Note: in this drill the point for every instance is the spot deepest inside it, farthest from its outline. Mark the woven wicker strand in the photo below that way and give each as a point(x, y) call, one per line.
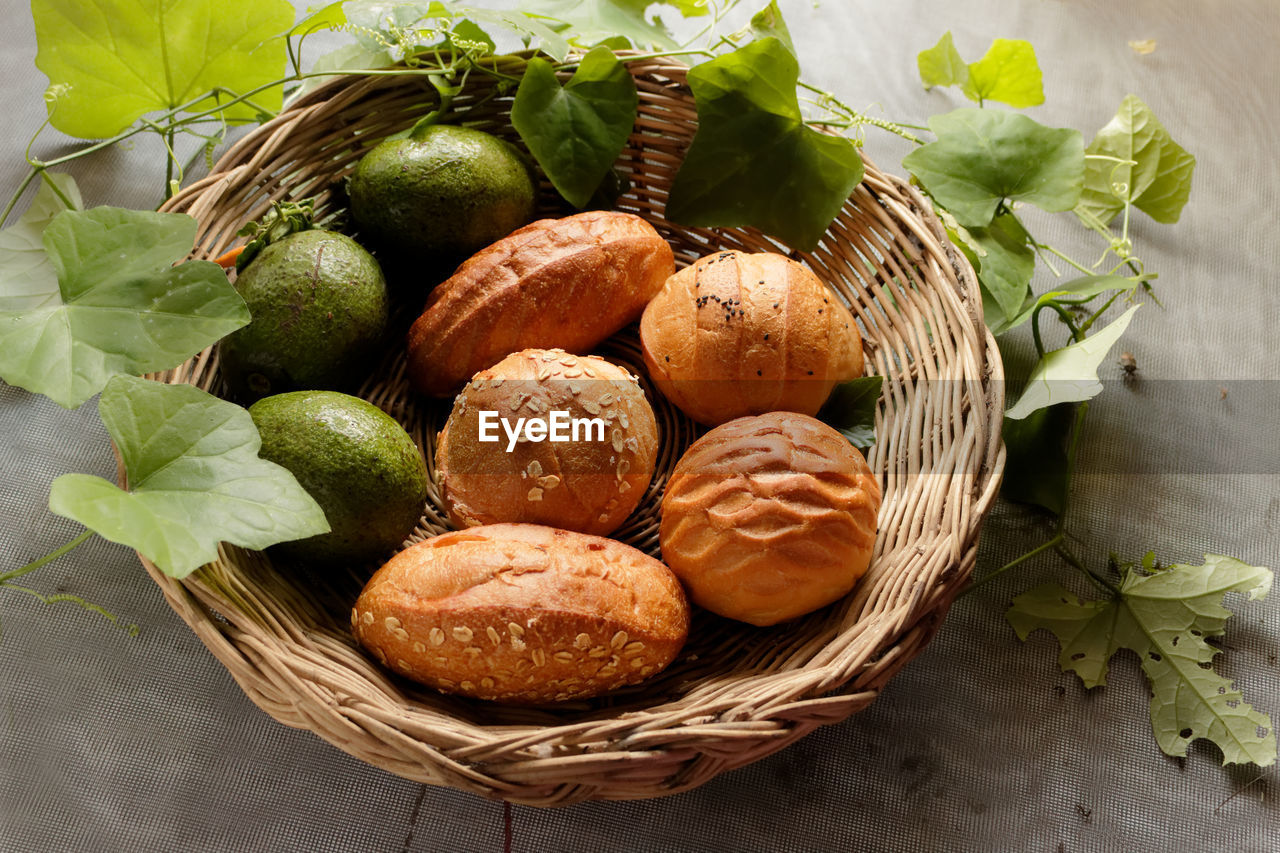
point(736, 694)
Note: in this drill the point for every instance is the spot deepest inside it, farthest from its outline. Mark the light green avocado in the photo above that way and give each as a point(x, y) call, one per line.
point(319, 306)
point(441, 194)
point(355, 460)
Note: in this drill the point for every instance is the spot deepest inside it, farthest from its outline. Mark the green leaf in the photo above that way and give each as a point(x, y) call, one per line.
point(768, 23)
point(1075, 292)
point(468, 35)
point(194, 477)
point(942, 65)
point(24, 265)
point(328, 17)
point(1005, 264)
point(1008, 73)
point(753, 160)
point(1035, 468)
point(1156, 176)
point(534, 29)
point(851, 409)
point(590, 22)
point(577, 131)
point(121, 59)
point(108, 301)
point(1165, 619)
point(984, 157)
point(1070, 374)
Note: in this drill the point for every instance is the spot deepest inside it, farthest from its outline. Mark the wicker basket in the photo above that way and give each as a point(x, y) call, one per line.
point(736, 693)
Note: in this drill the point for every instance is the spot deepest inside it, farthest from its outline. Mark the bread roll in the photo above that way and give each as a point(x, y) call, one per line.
point(769, 517)
point(567, 283)
point(590, 483)
point(523, 614)
point(741, 334)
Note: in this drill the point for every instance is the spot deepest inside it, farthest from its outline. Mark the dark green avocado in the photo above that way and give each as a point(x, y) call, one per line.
point(319, 306)
point(440, 195)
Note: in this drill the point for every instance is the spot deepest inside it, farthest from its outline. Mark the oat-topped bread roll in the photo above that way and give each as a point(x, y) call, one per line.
point(769, 517)
point(567, 283)
point(547, 437)
point(524, 614)
point(741, 334)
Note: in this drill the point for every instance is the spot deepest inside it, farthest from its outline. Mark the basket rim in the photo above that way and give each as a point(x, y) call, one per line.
point(830, 694)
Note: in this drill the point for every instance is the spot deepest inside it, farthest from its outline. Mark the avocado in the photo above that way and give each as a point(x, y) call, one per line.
point(441, 194)
point(319, 306)
point(356, 461)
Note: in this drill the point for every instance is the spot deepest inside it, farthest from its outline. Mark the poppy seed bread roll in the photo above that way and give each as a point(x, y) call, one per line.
point(567, 283)
point(739, 334)
point(523, 614)
point(491, 471)
point(769, 517)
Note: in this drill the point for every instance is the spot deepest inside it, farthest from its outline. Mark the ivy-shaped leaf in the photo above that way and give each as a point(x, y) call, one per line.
point(109, 301)
point(1008, 73)
point(1005, 263)
point(110, 62)
point(590, 22)
point(985, 157)
point(851, 409)
point(768, 23)
point(753, 160)
point(1155, 172)
point(194, 477)
point(1070, 374)
point(1036, 469)
point(24, 265)
point(1164, 618)
point(942, 65)
point(576, 132)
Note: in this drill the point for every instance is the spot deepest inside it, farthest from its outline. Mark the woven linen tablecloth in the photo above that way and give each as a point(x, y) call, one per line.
point(116, 742)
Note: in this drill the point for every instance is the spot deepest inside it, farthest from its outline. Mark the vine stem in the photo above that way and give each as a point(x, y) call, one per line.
point(22, 188)
point(1039, 549)
point(47, 558)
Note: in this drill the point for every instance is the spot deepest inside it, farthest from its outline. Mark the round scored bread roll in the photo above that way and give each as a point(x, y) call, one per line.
point(522, 613)
point(769, 517)
point(740, 334)
point(547, 437)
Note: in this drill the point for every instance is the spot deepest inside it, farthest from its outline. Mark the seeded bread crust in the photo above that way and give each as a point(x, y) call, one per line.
point(567, 283)
point(739, 334)
point(523, 614)
point(587, 485)
point(769, 517)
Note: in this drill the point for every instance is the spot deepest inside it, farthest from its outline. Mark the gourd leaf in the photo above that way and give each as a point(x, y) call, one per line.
point(1070, 374)
point(110, 62)
point(107, 300)
point(1154, 173)
point(194, 477)
point(984, 157)
point(1008, 73)
point(591, 22)
point(1164, 617)
point(942, 65)
point(753, 161)
point(576, 131)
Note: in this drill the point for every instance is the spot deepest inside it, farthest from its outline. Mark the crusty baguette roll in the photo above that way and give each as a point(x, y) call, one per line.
point(741, 334)
point(769, 517)
point(590, 483)
point(567, 283)
point(522, 613)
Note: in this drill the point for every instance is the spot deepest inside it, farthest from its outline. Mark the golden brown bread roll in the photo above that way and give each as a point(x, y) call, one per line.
point(567, 283)
point(740, 334)
point(522, 613)
point(769, 517)
point(590, 483)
